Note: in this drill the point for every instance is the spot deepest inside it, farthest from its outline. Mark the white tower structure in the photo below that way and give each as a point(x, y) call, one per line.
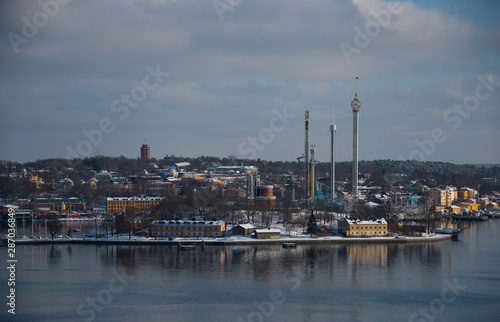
point(333, 129)
point(355, 105)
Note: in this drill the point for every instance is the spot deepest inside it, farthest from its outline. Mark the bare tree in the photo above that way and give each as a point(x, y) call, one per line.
point(54, 225)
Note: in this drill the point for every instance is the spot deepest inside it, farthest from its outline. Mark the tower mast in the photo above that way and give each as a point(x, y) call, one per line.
point(355, 105)
point(333, 129)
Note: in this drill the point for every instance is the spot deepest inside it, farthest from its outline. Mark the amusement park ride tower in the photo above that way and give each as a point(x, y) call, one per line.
point(355, 105)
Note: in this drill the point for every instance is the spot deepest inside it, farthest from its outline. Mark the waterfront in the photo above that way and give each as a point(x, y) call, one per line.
point(249, 283)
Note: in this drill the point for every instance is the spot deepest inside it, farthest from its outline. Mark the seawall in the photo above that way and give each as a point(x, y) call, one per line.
point(212, 242)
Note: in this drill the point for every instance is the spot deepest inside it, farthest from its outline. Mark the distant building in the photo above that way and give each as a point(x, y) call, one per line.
point(492, 205)
point(65, 184)
point(145, 152)
point(453, 193)
point(442, 197)
point(466, 193)
point(188, 228)
point(115, 204)
point(54, 204)
point(469, 206)
point(245, 229)
point(488, 181)
point(362, 228)
point(232, 170)
point(4, 209)
point(267, 233)
point(264, 195)
point(103, 175)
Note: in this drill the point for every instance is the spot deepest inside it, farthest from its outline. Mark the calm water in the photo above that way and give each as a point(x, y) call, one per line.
point(268, 283)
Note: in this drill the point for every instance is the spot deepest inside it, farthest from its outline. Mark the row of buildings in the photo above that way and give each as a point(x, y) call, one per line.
point(217, 228)
point(460, 200)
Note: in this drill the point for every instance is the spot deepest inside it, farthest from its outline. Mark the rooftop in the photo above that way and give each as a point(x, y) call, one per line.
point(144, 198)
point(365, 222)
point(189, 222)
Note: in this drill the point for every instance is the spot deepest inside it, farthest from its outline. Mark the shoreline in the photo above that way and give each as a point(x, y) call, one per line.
point(238, 242)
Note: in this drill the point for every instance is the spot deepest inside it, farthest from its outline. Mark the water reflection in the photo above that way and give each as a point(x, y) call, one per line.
point(55, 255)
point(320, 282)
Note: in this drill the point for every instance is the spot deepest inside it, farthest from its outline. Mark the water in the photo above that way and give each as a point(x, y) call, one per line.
point(264, 283)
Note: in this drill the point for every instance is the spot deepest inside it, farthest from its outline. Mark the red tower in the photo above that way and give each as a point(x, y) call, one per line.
point(145, 152)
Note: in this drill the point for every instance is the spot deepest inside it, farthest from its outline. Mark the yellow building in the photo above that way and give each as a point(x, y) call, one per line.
point(470, 206)
point(362, 228)
point(116, 204)
point(463, 194)
point(267, 233)
point(466, 193)
point(442, 197)
point(453, 193)
point(36, 180)
point(188, 228)
point(492, 205)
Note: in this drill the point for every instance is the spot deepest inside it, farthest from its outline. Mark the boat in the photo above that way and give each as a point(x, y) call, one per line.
point(467, 217)
point(289, 245)
point(448, 231)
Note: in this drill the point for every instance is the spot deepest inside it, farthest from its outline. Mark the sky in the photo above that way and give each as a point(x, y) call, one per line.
point(234, 78)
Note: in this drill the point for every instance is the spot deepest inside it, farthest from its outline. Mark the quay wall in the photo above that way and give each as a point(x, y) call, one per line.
point(211, 242)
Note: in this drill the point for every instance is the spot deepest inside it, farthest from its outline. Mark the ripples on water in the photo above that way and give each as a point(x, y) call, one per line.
point(254, 283)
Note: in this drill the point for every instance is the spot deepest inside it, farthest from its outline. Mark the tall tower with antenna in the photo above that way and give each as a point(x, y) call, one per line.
point(333, 129)
point(306, 156)
point(355, 105)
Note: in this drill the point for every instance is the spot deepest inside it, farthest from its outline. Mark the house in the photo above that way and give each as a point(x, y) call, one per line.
point(244, 229)
point(492, 205)
point(267, 233)
point(362, 228)
point(188, 228)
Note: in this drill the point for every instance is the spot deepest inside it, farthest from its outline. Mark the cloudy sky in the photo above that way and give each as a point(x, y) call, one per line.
point(234, 77)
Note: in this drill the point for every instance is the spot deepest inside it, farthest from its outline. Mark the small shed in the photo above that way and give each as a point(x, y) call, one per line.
point(267, 233)
point(244, 229)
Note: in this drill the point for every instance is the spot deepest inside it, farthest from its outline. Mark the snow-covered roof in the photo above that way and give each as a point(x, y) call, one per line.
point(365, 222)
point(265, 230)
point(247, 226)
point(10, 206)
point(189, 222)
point(134, 198)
